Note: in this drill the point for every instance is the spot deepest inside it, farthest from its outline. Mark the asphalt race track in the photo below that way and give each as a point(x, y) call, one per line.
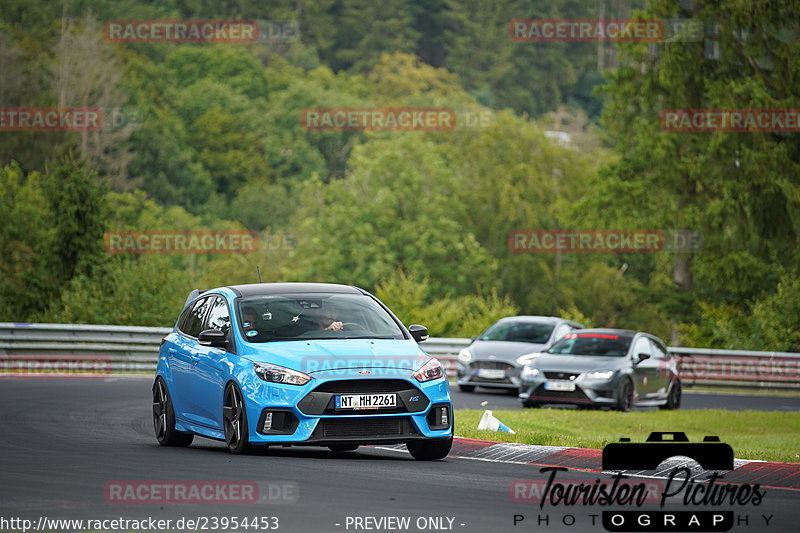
point(62, 441)
point(691, 400)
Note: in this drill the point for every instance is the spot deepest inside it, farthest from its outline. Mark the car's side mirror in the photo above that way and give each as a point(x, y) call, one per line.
point(418, 333)
point(642, 356)
point(213, 337)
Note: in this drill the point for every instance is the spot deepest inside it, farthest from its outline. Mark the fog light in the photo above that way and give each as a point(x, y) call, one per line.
point(439, 417)
point(267, 421)
point(276, 421)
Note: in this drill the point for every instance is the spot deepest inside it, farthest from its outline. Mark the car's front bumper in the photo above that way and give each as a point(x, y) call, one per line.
point(503, 375)
point(306, 415)
point(586, 392)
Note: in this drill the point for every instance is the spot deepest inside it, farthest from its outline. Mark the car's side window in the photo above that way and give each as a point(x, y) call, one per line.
point(184, 318)
point(561, 330)
point(219, 317)
point(658, 351)
point(194, 321)
point(642, 346)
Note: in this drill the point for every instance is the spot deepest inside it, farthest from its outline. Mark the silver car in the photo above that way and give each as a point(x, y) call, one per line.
point(603, 368)
point(496, 357)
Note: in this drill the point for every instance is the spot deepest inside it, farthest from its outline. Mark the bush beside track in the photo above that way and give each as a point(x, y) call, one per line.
point(755, 435)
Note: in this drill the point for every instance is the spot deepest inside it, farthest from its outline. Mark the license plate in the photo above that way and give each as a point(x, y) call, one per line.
point(491, 373)
point(366, 401)
point(559, 385)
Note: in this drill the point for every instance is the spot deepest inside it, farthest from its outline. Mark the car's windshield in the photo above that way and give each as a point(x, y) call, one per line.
point(535, 332)
point(603, 344)
point(280, 317)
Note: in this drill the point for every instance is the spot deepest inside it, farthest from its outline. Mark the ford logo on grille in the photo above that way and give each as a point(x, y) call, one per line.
point(364, 372)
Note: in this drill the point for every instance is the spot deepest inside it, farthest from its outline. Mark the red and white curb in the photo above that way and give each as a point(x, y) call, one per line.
point(765, 473)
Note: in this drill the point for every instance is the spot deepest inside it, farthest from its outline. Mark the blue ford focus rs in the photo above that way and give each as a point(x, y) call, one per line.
point(299, 364)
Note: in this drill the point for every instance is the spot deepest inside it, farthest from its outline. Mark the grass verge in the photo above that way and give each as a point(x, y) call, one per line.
point(768, 436)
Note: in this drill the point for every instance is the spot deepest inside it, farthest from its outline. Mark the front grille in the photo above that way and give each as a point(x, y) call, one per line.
point(561, 375)
point(322, 400)
point(501, 381)
point(483, 364)
point(363, 427)
point(500, 365)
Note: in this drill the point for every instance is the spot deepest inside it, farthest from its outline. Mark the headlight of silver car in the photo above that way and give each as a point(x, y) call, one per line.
point(600, 374)
point(465, 356)
point(529, 371)
point(280, 374)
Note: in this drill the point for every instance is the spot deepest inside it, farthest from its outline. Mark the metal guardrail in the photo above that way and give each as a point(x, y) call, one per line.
point(43, 348)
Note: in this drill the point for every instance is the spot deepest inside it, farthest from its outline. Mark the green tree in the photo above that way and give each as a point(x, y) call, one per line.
point(459, 316)
point(78, 211)
point(26, 238)
point(736, 188)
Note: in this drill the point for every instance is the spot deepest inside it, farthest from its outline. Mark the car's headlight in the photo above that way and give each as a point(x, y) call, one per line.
point(529, 371)
point(280, 374)
point(527, 358)
point(433, 369)
point(465, 356)
point(600, 374)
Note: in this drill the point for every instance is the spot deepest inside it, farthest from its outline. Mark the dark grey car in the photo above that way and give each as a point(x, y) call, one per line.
point(603, 367)
point(496, 357)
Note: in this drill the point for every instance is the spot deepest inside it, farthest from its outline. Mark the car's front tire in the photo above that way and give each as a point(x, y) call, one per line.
point(624, 396)
point(674, 397)
point(164, 418)
point(430, 450)
point(466, 388)
point(531, 405)
point(234, 421)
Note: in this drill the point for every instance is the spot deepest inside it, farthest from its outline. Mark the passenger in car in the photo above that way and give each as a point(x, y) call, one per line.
point(249, 317)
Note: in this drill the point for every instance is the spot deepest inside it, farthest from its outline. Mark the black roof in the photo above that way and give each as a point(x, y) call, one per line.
point(610, 331)
point(260, 289)
point(537, 318)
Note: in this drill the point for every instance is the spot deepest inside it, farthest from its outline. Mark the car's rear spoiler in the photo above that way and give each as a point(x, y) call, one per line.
point(192, 295)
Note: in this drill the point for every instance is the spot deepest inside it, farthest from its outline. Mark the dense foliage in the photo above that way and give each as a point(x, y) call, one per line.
point(211, 139)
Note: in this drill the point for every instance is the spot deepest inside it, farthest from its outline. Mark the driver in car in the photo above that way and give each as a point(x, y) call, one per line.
point(328, 321)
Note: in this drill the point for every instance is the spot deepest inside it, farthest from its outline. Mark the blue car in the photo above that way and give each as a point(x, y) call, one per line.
point(299, 364)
